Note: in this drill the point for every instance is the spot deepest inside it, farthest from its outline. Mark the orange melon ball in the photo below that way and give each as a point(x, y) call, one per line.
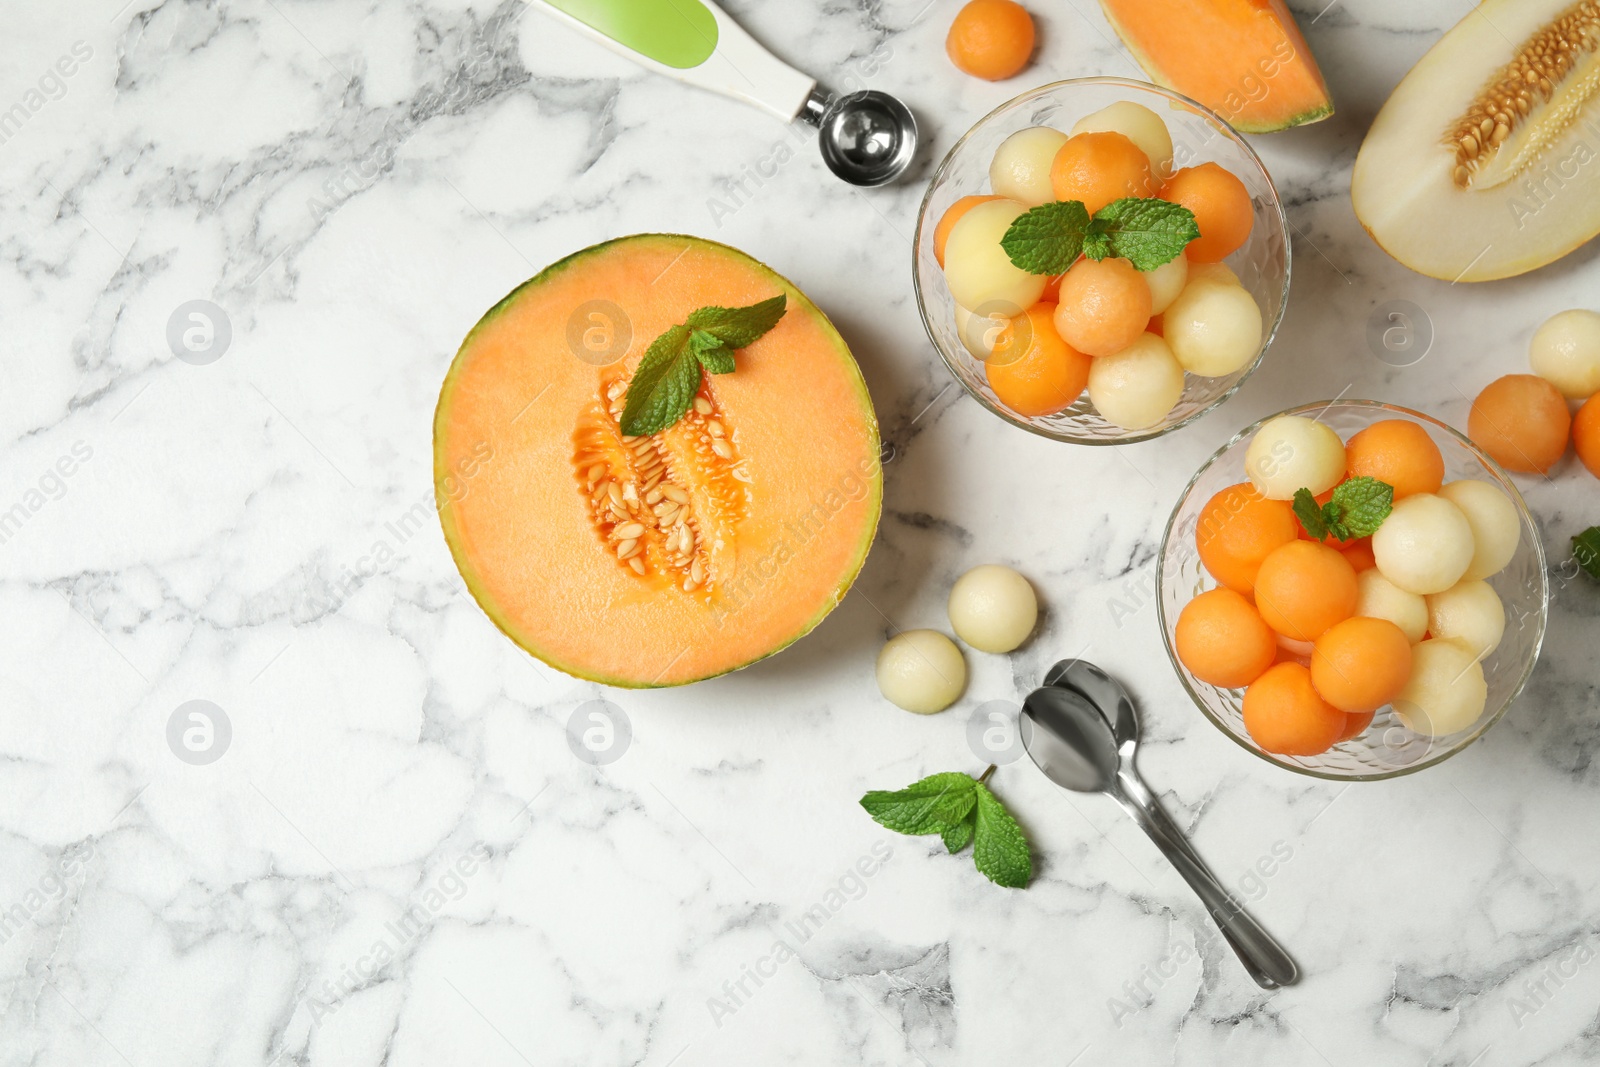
point(1354, 724)
point(1103, 306)
point(1033, 371)
point(1052, 288)
point(1586, 434)
point(1359, 553)
point(1237, 529)
point(1303, 588)
point(1221, 206)
point(1361, 664)
point(1221, 639)
point(1522, 421)
point(991, 39)
point(1284, 714)
point(1098, 168)
point(951, 216)
point(1399, 452)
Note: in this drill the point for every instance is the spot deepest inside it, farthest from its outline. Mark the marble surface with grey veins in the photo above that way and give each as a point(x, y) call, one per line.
point(241, 241)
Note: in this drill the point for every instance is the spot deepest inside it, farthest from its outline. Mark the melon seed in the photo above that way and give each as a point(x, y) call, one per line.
point(630, 530)
point(702, 405)
point(720, 447)
point(615, 491)
point(714, 428)
point(628, 548)
point(637, 563)
point(697, 572)
point(675, 494)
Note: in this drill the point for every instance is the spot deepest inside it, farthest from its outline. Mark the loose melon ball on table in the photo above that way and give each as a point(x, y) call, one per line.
point(990, 39)
point(1221, 206)
point(1586, 434)
point(1103, 306)
point(1399, 452)
point(1379, 598)
point(921, 671)
point(1221, 638)
point(1303, 588)
point(1032, 370)
point(1213, 329)
point(977, 269)
point(1522, 421)
point(1021, 165)
point(1098, 168)
point(993, 608)
point(1446, 692)
point(1292, 452)
point(952, 215)
point(1361, 664)
point(1238, 529)
point(1138, 386)
point(1566, 353)
point(1166, 282)
point(1425, 545)
point(1496, 528)
point(1283, 713)
point(1469, 612)
point(1138, 124)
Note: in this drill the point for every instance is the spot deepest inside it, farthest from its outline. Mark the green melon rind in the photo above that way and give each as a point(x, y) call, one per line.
point(798, 301)
point(1242, 125)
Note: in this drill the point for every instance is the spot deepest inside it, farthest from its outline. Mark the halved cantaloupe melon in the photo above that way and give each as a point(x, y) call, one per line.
point(1485, 161)
point(1244, 59)
point(669, 558)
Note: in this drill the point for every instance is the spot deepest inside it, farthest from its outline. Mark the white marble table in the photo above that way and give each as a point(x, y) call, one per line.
point(396, 858)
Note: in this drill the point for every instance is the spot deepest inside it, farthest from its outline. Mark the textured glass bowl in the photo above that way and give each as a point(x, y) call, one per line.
point(1198, 136)
point(1387, 749)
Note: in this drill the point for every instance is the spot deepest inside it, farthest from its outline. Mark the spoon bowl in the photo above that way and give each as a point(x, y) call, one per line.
point(867, 138)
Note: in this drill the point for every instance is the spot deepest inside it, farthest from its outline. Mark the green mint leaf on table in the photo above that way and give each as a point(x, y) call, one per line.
point(998, 848)
point(1586, 551)
point(937, 803)
point(740, 327)
point(667, 378)
point(1309, 512)
point(1047, 239)
point(1146, 231)
point(960, 835)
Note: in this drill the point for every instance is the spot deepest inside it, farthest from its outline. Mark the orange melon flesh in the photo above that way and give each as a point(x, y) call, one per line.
point(1244, 59)
point(782, 524)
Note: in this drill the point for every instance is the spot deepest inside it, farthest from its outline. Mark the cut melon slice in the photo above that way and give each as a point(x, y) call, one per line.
point(1244, 59)
point(1485, 162)
point(669, 558)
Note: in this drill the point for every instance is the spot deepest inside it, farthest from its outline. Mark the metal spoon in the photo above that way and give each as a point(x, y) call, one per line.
point(1071, 736)
point(867, 138)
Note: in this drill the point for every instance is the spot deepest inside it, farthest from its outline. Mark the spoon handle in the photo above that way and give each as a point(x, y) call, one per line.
point(1263, 957)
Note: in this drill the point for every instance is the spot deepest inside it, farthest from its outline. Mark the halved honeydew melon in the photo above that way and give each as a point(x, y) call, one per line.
point(1485, 162)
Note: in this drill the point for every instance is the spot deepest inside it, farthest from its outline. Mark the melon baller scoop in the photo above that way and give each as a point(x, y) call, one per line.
point(867, 138)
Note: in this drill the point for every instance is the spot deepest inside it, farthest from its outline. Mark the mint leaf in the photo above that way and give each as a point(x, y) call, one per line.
point(1096, 244)
point(1146, 231)
point(933, 805)
point(957, 837)
point(999, 849)
point(713, 355)
point(1309, 512)
point(1047, 239)
point(1362, 503)
point(1586, 551)
point(663, 385)
point(740, 327)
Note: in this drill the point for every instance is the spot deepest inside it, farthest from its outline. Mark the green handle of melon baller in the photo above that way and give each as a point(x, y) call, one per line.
point(692, 41)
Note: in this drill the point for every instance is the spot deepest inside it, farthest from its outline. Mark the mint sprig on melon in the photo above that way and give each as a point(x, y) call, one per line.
point(668, 377)
point(1145, 230)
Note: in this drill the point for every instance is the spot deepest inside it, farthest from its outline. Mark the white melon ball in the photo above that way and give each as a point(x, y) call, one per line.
point(1469, 612)
point(1496, 528)
point(1166, 282)
point(1021, 165)
point(1425, 545)
point(1292, 452)
point(1446, 691)
point(1566, 353)
point(1135, 388)
point(979, 333)
point(1214, 329)
point(1138, 124)
point(977, 269)
point(921, 671)
point(1213, 272)
point(1379, 598)
point(993, 608)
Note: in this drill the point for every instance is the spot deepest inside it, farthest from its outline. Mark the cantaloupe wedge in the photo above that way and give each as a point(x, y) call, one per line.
point(1244, 59)
point(672, 557)
point(1485, 161)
